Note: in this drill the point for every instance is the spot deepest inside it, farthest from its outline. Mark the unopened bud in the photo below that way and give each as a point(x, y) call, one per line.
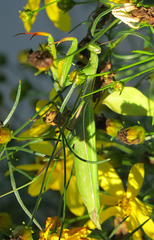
point(5, 135)
point(26, 15)
point(118, 86)
point(65, 5)
point(78, 77)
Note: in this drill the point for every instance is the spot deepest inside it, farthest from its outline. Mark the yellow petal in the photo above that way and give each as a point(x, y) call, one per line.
point(30, 167)
point(32, 5)
point(109, 212)
point(60, 19)
point(142, 212)
point(35, 131)
point(44, 147)
point(73, 199)
point(35, 187)
point(52, 94)
point(110, 181)
point(55, 182)
point(145, 208)
point(107, 200)
point(148, 227)
point(132, 224)
point(41, 103)
point(135, 180)
point(120, 1)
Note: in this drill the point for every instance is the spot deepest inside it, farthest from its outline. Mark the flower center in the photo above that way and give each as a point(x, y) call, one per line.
point(125, 206)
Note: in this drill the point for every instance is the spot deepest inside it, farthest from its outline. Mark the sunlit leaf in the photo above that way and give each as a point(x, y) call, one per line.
point(130, 102)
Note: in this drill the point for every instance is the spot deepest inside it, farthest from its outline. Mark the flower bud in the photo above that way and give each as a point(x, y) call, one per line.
point(132, 135)
point(113, 126)
point(65, 5)
point(26, 15)
point(22, 232)
point(118, 86)
point(78, 77)
point(5, 135)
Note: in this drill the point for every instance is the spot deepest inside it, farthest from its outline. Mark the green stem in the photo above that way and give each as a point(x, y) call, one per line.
point(65, 187)
point(43, 186)
point(39, 9)
point(15, 104)
point(101, 32)
point(13, 184)
point(122, 68)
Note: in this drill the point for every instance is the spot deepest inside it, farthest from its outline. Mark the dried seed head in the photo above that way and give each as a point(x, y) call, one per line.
point(42, 60)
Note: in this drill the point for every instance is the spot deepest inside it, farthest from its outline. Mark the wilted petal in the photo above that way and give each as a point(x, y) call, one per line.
point(109, 180)
point(32, 5)
point(135, 180)
point(107, 200)
point(60, 19)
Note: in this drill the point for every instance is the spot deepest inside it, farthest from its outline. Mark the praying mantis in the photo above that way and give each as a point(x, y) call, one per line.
point(84, 147)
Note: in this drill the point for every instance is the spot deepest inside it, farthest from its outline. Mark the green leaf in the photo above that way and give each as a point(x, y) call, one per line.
point(130, 102)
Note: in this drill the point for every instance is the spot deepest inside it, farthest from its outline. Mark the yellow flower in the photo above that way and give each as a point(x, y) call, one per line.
point(56, 182)
point(125, 203)
point(52, 231)
point(60, 18)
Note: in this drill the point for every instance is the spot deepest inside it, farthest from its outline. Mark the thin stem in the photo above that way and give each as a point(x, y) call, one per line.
point(13, 184)
point(65, 187)
point(43, 186)
point(39, 9)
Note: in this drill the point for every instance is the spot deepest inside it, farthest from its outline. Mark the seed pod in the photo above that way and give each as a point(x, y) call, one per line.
point(42, 60)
